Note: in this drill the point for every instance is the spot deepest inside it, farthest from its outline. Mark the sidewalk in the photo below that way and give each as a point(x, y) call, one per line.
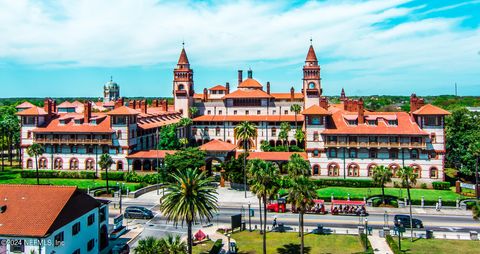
point(379, 245)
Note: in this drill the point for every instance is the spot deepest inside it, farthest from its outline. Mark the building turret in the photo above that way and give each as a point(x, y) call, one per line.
point(311, 79)
point(183, 89)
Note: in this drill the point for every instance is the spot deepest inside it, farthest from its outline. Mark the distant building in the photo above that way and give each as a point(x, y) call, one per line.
point(111, 91)
point(473, 109)
point(51, 219)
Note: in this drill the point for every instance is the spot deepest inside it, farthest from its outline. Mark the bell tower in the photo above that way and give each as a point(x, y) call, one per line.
point(183, 90)
point(312, 89)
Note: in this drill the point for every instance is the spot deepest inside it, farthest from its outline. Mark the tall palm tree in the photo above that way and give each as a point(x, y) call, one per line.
point(297, 166)
point(172, 245)
point(300, 137)
point(283, 135)
point(105, 163)
point(301, 194)
point(190, 198)
point(244, 132)
point(382, 175)
point(148, 245)
point(193, 111)
point(409, 179)
point(295, 108)
point(35, 150)
point(254, 167)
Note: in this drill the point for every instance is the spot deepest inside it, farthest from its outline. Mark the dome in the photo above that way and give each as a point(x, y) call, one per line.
point(250, 83)
point(111, 84)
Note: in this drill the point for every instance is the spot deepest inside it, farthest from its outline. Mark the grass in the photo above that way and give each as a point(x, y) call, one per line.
point(439, 246)
point(13, 177)
point(359, 193)
point(282, 243)
point(203, 248)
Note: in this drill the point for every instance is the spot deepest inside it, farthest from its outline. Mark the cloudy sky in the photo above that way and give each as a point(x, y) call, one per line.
point(71, 48)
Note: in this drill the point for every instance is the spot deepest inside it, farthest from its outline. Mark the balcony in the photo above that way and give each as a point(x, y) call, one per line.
point(77, 141)
point(363, 144)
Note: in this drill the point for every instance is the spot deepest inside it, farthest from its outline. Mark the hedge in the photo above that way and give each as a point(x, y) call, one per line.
point(338, 182)
point(393, 245)
point(133, 177)
point(114, 176)
point(441, 185)
point(362, 240)
point(58, 174)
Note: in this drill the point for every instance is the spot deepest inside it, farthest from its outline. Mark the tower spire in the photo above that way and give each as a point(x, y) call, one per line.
point(311, 56)
point(183, 57)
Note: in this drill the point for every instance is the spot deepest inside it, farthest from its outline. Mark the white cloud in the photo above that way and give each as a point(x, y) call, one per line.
point(116, 33)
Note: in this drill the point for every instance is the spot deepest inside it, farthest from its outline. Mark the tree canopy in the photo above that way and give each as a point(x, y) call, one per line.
point(188, 158)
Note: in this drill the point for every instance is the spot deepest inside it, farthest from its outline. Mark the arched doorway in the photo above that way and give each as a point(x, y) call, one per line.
point(103, 237)
point(42, 163)
point(212, 164)
point(333, 169)
point(119, 165)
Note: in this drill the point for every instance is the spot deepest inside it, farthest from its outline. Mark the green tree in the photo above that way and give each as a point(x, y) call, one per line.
point(184, 122)
point(193, 112)
point(295, 108)
point(234, 169)
point(190, 198)
point(300, 137)
point(409, 179)
point(168, 139)
point(184, 142)
point(301, 194)
point(172, 245)
point(283, 134)
point(297, 166)
point(105, 163)
point(148, 245)
point(187, 158)
point(35, 150)
point(244, 132)
point(382, 175)
point(476, 211)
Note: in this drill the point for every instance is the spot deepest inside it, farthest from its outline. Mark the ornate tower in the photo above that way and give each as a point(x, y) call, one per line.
point(312, 89)
point(183, 90)
point(111, 91)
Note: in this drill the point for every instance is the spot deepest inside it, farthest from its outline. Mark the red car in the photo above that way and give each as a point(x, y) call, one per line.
point(278, 206)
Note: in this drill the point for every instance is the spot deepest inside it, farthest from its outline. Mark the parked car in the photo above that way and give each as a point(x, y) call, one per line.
point(138, 212)
point(404, 221)
point(121, 248)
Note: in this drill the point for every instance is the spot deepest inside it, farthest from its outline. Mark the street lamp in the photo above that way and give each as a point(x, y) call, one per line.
point(366, 234)
point(228, 236)
point(249, 217)
point(120, 188)
point(399, 232)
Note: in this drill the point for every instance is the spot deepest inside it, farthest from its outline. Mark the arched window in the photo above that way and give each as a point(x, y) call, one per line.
point(89, 164)
point(316, 170)
point(74, 163)
point(42, 163)
point(29, 163)
point(353, 170)
point(333, 169)
point(414, 154)
point(417, 170)
point(181, 87)
point(58, 163)
point(217, 131)
point(119, 165)
point(370, 169)
point(393, 168)
point(332, 153)
point(315, 153)
point(433, 172)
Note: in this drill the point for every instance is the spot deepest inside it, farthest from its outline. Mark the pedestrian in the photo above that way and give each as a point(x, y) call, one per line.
point(274, 222)
point(437, 207)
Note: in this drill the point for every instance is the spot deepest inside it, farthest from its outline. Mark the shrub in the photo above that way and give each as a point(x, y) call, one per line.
point(58, 174)
point(114, 176)
point(363, 238)
point(441, 185)
point(338, 182)
point(393, 245)
point(423, 185)
point(133, 177)
point(217, 246)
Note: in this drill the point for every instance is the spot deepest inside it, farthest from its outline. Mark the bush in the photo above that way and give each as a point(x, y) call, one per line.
point(114, 176)
point(217, 246)
point(363, 238)
point(393, 245)
point(338, 182)
point(423, 185)
point(441, 185)
point(133, 177)
point(58, 174)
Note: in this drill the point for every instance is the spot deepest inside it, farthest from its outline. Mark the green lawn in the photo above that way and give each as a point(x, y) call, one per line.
point(202, 248)
point(283, 243)
point(439, 246)
point(359, 193)
point(13, 177)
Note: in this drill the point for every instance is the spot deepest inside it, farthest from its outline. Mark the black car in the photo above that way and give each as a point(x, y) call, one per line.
point(138, 212)
point(404, 221)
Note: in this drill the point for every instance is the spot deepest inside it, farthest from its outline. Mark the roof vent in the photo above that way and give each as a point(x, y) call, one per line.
point(3, 208)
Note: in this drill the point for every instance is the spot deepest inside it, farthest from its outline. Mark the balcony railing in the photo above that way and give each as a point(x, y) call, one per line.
point(77, 141)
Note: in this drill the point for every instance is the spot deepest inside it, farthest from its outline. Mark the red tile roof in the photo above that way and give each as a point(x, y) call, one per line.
point(250, 83)
point(39, 210)
point(429, 109)
point(123, 110)
point(33, 111)
point(274, 156)
point(218, 88)
point(250, 118)
point(150, 154)
point(25, 104)
point(102, 126)
point(217, 145)
point(183, 57)
point(247, 94)
point(279, 96)
point(66, 104)
point(315, 110)
point(311, 56)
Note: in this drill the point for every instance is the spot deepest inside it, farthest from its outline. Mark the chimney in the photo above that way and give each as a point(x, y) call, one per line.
point(144, 106)
point(268, 87)
point(118, 103)
point(324, 103)
point(87, 111)
point(132, 104)
point(139, 104)
point(227, 85)
point(47, 105)
point(249, 73)
point(292, 93)
point(54, 106)
point(361, 113)
point(420, 103)
point(205, 94)
point(345, 104)
point(164, 105)
point(154, 103)
point(240, 76)
point(413, 102)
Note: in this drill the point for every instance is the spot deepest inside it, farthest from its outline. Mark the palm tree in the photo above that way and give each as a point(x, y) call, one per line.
point(300, 137)
point(193, 111)
point(301, 194)
point(409, 179)
point(295, 108)
point(183, 142)
point(148, 245)
point(184, 122)
point(255, 186)
point(297, 166)
point(2, 135)
point(172, 245)
point(382, 175)
point(190, 198)
point(105, 163)
point(283, 135)
point(244, 132)
point(35, 150)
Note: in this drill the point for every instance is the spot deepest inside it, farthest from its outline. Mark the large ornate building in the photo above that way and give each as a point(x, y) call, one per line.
point(342, 140)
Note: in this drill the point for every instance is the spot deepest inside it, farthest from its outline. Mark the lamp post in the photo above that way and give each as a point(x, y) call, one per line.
point(399, 238)
point(228, 236)
point(366, 234)
point(249, 217)
point(120, 188)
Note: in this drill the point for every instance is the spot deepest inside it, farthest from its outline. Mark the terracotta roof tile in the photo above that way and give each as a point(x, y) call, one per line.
point(25, 104)
point(183, 59)
point(102, 126)
point(250, 83)
point(33, 111)
point(247, 94)
point(429, 109)
point(273, 156)
point(218, 88)
point(123, 110)
point(286, 95)
point(251, 118)
point(150, 154)
point(311, 56)
point(217, 145)
point(315, 110)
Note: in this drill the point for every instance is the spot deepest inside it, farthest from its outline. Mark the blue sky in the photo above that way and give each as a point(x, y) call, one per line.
point(71, 48)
